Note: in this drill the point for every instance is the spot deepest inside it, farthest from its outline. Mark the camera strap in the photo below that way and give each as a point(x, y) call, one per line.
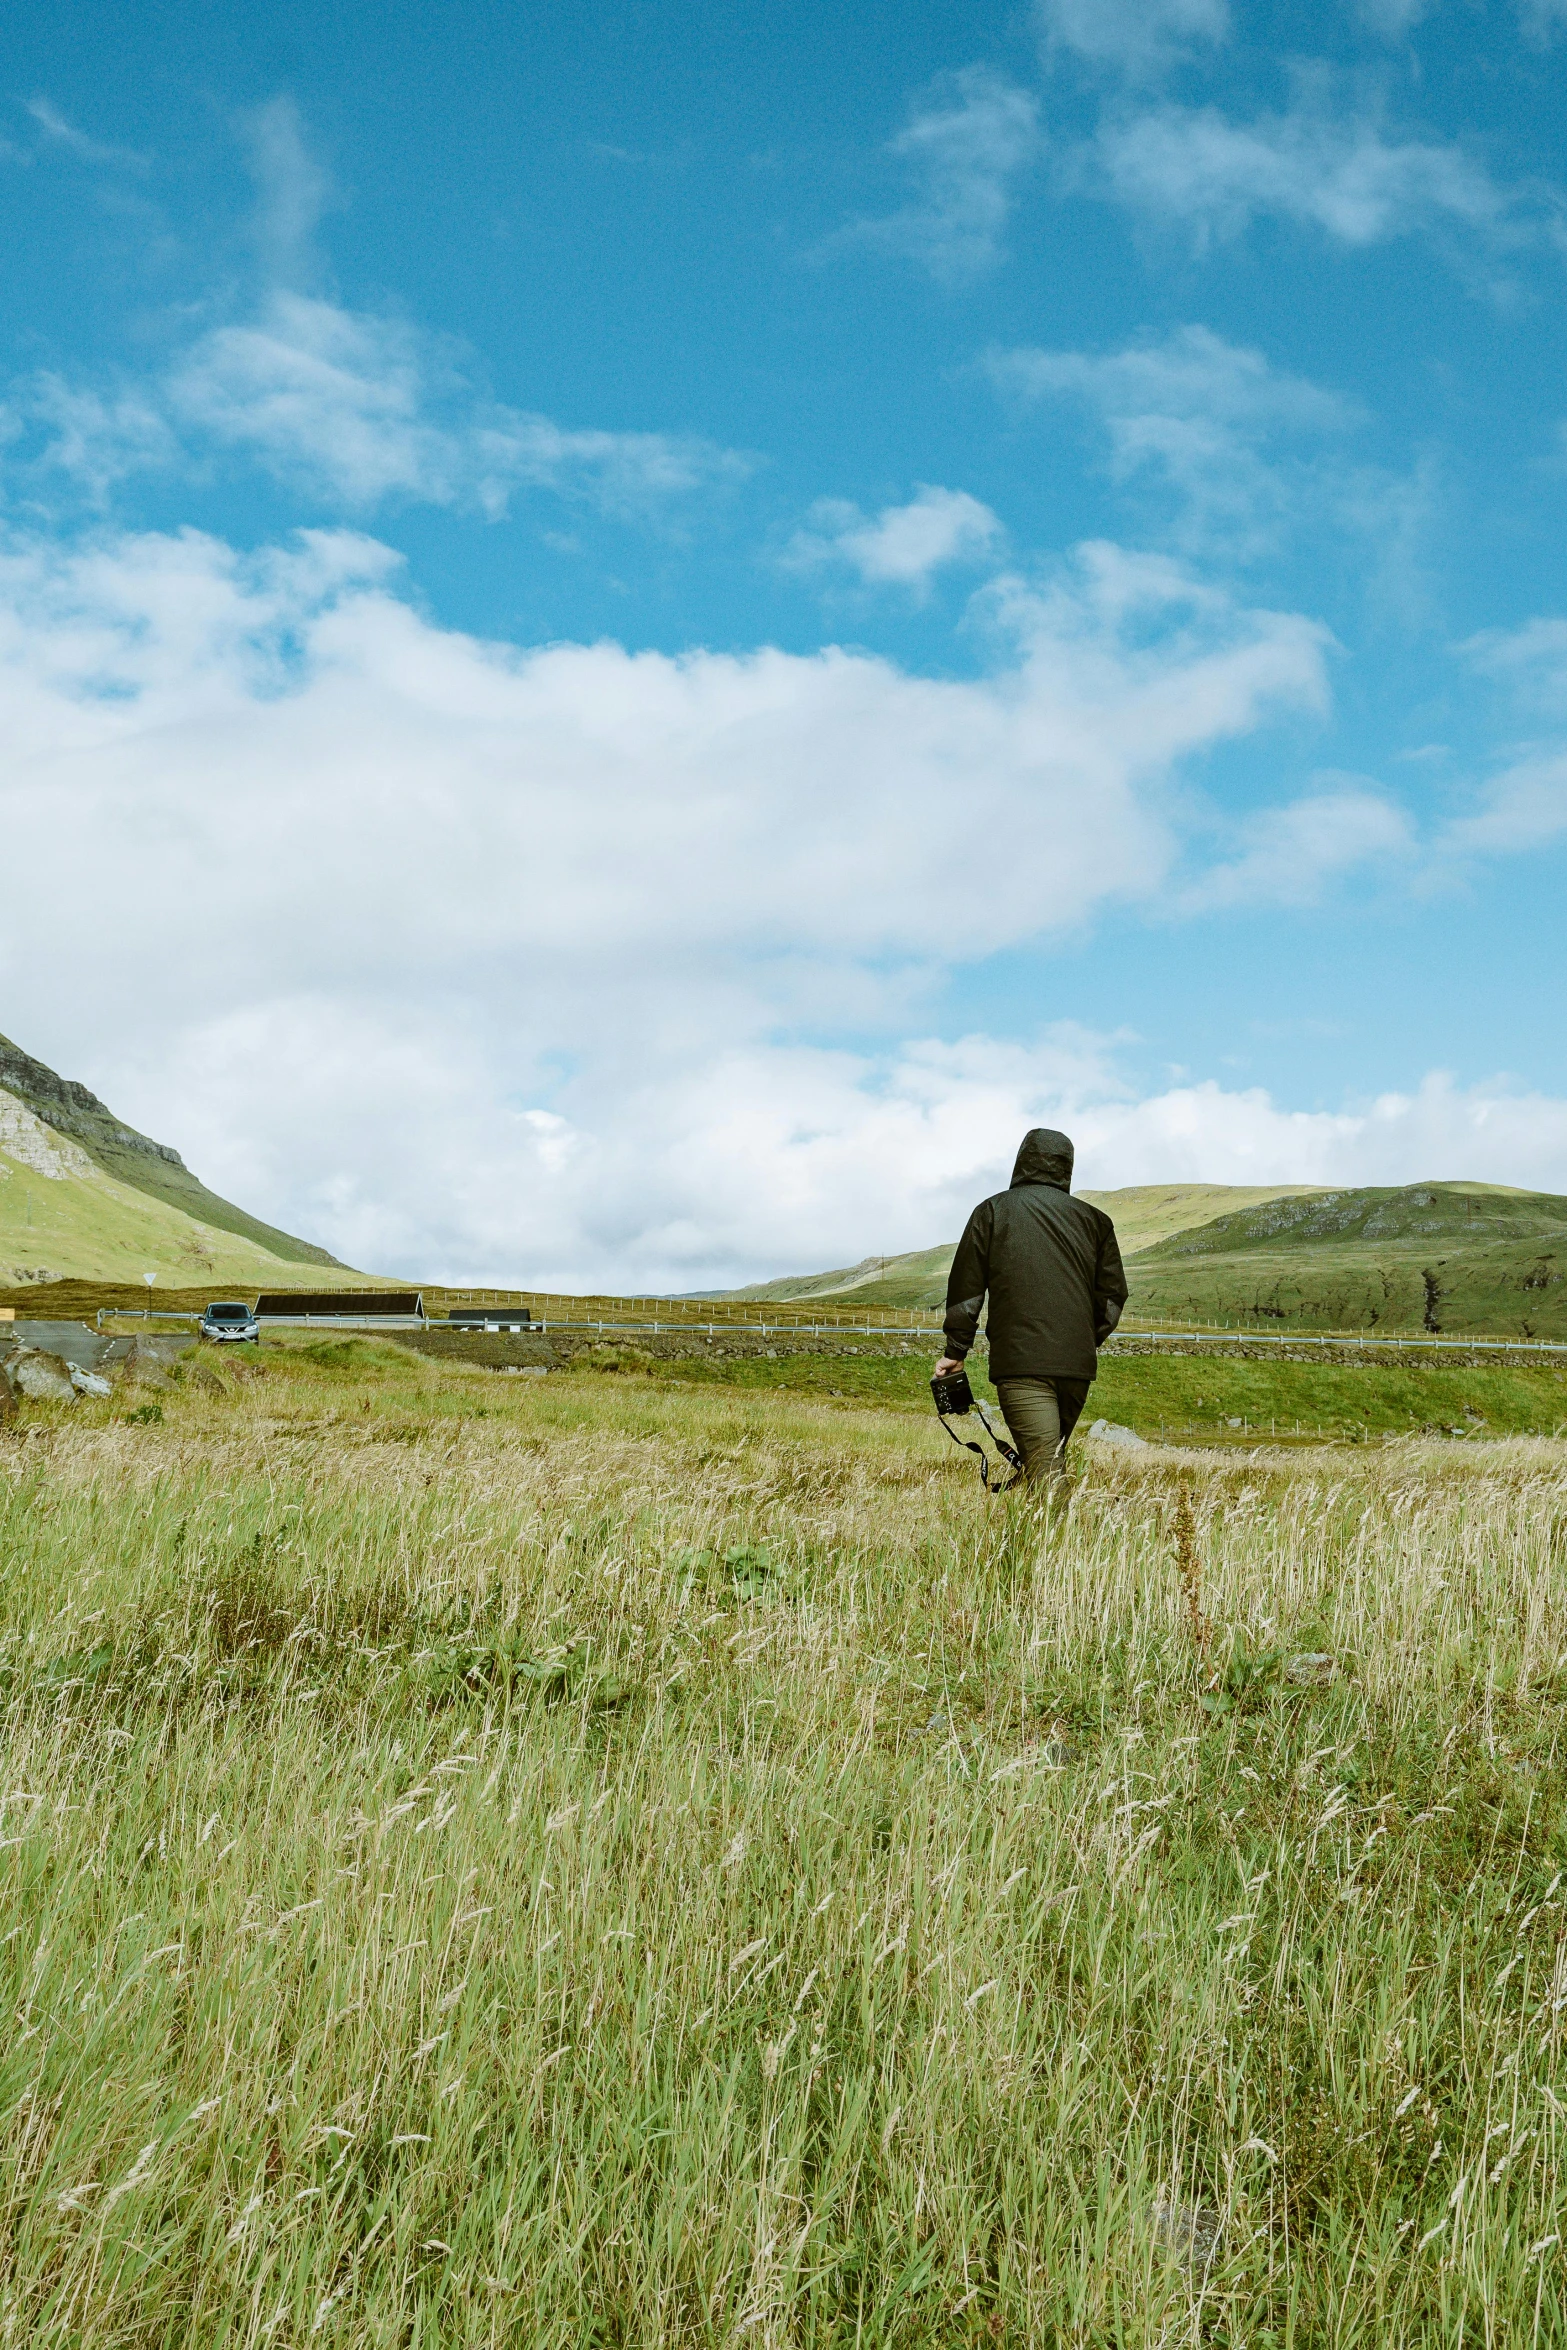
point(1009, 1456)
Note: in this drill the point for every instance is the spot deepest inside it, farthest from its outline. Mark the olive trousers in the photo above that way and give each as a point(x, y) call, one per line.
point(1041, 1413)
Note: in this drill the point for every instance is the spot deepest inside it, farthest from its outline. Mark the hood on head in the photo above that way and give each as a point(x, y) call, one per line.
point(1045, 1157)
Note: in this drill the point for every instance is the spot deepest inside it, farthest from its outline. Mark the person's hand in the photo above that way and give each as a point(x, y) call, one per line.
point(947, 1365)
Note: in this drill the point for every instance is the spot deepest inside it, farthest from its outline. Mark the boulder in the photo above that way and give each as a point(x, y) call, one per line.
point(88, 1382)
point(142, 1362)
point(1106, 1432)
point(40, 1377)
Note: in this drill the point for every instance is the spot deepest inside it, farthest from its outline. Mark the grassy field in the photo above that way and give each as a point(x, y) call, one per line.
point(1192, 1397)
point(601, 1860)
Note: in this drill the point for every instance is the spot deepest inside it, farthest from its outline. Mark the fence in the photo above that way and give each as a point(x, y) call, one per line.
point(709, 1325)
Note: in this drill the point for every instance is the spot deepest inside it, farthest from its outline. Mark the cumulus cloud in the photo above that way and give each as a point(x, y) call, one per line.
point(757, 1162)
point(901, 546)
point(964, 147)
point(1134, 36)
point(1339, 171)
point(554, 910)
point(1488, 1133)
point(1208, 420)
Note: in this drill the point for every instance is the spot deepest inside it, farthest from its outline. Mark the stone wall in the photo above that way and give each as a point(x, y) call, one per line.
point(1454, 1355)
point(558, 1348)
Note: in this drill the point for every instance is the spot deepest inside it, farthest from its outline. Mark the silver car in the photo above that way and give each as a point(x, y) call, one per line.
point(227, 1319)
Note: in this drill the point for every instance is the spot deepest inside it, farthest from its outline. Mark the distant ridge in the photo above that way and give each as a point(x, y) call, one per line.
point(1423, 1258)
point(1143, 1214)
point(34, 1096)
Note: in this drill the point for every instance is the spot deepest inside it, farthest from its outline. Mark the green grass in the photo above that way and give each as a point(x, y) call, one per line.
point(601, 1861)
point(1185, 1395)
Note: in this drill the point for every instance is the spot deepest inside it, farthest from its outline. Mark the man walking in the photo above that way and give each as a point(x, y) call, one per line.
point(1053, 1270)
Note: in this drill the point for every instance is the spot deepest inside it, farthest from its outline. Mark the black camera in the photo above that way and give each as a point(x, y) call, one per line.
point(953, 1393)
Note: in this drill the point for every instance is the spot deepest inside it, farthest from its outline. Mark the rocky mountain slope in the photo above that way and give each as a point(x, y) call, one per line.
point(83, 1194)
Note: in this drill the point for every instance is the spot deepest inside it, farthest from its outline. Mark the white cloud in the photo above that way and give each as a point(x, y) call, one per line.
point(356, 409)
point(757, 1161)
point(55, 127)
point(1316, 164)
point(1488, 1133)
point(367, 408)
point(293, 192)
point(100, 437)
point(1133, 35)
point(1288, 855)
point(1542, 19)
point(901, 546)
point(1531, 661)
point(1210, 420)
point(456, 888)
point(964, 147)
point(1392, 18)
point(1522, 807)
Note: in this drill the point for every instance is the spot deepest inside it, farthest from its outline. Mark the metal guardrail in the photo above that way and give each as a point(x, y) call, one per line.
point(687, 1329)
point(838, 1329)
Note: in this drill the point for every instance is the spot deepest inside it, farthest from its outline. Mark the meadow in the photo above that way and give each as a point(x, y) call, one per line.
point(604, 1860)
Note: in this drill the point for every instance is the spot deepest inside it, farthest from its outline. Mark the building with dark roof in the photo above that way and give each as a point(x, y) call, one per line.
point(351, 1309)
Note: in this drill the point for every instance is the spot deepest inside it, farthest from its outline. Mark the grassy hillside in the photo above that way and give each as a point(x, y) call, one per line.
point(1427, 1257)
point(93, 1228)
point(571, 1861)
point(1434, 1257)
point(133, 1159)
point(1143, 1213)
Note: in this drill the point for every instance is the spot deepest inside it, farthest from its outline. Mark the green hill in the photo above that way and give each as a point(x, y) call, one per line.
point(1425, 1257)
point(84, 1195)
point(1143, 1213)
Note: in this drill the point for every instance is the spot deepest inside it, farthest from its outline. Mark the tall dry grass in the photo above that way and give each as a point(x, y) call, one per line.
point(667, 1870)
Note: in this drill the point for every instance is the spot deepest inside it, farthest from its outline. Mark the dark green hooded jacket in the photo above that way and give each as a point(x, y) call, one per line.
point(1051, 1265)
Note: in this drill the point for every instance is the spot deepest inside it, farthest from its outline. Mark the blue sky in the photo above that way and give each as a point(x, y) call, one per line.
point(745, 599)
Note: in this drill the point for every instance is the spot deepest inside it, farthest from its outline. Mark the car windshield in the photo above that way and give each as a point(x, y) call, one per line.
point(229, 1313)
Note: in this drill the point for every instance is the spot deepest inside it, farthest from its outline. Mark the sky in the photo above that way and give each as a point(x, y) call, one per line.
point(631, 637)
